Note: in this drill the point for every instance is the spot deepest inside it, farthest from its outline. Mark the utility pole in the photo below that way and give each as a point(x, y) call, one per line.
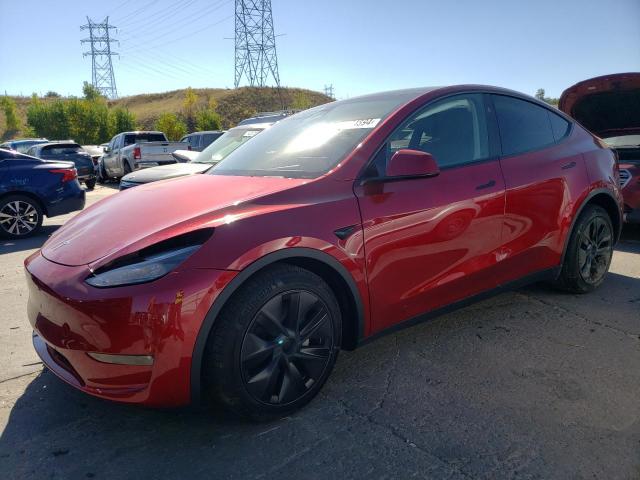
point(255, 43)
point(328, 91)
point(102, 77)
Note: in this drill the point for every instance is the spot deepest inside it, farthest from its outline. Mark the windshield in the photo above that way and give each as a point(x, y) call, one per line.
point(311, 143)
point(226, 144)
point(623, 141)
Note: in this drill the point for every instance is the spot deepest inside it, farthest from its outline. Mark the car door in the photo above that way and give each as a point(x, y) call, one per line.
point(108, 158)
point(430, 242)
point(544, 172)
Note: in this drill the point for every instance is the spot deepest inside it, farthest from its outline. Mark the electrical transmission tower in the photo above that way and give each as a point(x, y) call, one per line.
point(102, 77)
point(328, 91)
point(255, 50)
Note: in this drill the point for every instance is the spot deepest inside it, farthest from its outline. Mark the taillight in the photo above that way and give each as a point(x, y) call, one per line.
point(136, 153)
point(68, 174)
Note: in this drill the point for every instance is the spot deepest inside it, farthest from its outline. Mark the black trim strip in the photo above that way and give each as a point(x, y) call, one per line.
point(549, 274)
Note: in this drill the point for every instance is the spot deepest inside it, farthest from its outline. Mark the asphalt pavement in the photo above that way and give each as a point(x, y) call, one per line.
point(529, 384)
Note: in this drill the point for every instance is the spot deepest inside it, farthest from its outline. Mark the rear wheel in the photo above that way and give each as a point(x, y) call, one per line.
point(274, 345)
point(589, 251)
point(20, 216)
point(127, 168)
point(90, 184)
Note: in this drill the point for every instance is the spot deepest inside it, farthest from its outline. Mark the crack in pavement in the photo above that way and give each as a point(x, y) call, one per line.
point(398, 435)
point(20, 376)
point(560, 308)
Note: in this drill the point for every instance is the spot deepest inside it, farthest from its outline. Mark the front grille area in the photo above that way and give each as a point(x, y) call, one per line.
point(625, 178)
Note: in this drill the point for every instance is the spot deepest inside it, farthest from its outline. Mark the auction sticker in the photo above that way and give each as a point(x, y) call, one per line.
point(361, 123)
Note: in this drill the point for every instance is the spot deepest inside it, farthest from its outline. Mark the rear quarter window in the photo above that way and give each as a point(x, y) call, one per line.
point(523, 125)
point(559, 126)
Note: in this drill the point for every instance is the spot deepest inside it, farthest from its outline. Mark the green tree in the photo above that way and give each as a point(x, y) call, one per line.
point(189, 108)
point(171, 125)
point(540, 95)
point(90, 92)
point(49, 119)
point(121, 120)
point(9, 109)
point(208, 120)
point(51, 94)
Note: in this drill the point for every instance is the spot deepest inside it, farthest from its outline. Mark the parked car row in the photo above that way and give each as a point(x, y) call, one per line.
point(31, 188)
point(316, 233)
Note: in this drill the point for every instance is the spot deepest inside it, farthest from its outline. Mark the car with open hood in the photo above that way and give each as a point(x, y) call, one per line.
point(609, 106)
point(328, 229)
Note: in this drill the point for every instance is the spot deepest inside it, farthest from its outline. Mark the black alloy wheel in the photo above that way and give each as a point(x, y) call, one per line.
point(274, 344)
point(595, 249)
point(287, 347)
point(589, 251)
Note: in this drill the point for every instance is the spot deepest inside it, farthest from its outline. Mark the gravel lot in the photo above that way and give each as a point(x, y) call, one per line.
point(529, 384)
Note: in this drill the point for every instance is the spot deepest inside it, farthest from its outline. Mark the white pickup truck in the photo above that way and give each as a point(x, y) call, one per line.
point(129, 151)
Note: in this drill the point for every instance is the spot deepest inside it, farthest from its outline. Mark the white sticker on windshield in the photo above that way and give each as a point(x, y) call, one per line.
point(362, 123)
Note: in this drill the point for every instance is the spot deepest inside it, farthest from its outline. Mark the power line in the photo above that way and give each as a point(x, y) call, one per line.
point(102, 77)
point(255, 43)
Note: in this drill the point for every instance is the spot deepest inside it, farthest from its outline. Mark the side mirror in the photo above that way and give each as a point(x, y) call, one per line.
point(106, 150)
point(412, 163)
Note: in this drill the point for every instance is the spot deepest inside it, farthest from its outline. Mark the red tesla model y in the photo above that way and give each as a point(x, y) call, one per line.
point(336, 225)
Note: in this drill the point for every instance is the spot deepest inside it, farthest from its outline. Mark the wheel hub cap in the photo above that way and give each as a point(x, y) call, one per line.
point(287, 347)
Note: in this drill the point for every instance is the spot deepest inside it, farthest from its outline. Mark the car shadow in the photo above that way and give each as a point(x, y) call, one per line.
point(29, 243)
point(377, 394)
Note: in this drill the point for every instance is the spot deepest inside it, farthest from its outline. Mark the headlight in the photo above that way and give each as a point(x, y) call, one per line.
point(149, 264)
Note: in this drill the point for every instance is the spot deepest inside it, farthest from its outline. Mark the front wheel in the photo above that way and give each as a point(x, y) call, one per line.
point(274, 344)
point(589, 251)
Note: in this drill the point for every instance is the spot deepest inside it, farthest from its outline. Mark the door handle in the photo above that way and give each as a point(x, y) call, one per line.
point(568, 166)
point(489, 184)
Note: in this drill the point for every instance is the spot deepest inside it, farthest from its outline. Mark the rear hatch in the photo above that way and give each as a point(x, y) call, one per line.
point(69, 153)
point(608, 106)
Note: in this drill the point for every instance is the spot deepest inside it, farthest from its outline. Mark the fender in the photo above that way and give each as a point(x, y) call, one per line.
point(238, 280)
point(593, 193)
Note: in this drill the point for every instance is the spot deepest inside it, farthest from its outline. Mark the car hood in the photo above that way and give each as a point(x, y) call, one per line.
point(163, 172)
point(134, 219)
point(608, 106)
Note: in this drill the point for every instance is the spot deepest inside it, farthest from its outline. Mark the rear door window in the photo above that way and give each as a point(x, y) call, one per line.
point(523, 125)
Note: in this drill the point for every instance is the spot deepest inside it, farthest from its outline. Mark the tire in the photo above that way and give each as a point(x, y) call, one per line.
point(127, 168)
point(257, 363)
point(589, 252)
point(102, 175)
point(20, 216)
point(90, 184)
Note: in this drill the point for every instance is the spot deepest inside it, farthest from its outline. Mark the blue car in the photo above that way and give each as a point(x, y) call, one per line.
point(31, 188)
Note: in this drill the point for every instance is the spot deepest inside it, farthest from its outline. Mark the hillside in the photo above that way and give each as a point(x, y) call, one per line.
point(233, 105)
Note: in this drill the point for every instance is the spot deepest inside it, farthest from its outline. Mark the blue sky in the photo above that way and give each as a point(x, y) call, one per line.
point(358, 46)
